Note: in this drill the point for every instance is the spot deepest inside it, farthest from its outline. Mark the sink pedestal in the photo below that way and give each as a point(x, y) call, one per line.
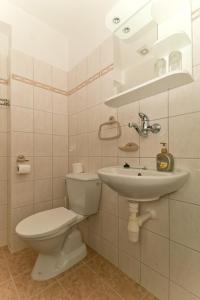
point(135, 221)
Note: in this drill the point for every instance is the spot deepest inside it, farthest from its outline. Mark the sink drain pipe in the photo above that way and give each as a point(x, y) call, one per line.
point(135, 221)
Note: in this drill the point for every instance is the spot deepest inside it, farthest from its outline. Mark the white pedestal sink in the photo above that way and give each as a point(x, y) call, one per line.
point(140, 185)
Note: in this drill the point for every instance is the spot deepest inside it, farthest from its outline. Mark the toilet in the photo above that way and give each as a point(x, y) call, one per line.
point(54, 234)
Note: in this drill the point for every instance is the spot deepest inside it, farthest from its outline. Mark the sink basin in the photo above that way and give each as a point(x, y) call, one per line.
point(142, 185)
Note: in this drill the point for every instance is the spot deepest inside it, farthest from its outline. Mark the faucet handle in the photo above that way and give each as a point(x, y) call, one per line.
point(143, 116)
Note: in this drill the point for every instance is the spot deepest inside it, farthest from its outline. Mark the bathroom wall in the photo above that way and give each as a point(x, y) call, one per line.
point(38, 130)
point(34, 37)
point(4, 93)
point(167, 259)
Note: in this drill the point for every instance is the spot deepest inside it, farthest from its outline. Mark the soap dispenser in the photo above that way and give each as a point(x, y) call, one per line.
point(165, 160)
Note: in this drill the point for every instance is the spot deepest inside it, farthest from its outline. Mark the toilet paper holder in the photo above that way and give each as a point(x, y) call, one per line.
point(21, 158)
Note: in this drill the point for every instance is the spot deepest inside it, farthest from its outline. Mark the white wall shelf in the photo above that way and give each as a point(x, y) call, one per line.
point(150, 88)
point(172, 42)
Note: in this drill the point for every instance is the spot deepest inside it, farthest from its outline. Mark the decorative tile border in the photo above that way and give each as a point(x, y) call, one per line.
point(196, 14)
point(88, 81)
point(4, 81)
point(38, 84)
point(96, 76)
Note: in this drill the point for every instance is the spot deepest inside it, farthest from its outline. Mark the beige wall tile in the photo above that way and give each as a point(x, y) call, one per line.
point(43, 144)
point(22, 194)
point(43, 190)
point(3, 120)
point(94, 95)
point(59, 166)
point(3, 144)
point(3, 192)
point(43, 167)
point(43, 99)
point(59, 104)
point(3, 168)
point(22, 119)
point(59, 124)
point(59, 188)
point(59, 145)
point(21, 143)
point(42, 206)
point(3, 217)
point(42, 122)
point(21, 94)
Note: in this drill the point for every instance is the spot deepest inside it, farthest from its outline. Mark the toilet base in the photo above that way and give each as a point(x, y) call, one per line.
point(48, 266)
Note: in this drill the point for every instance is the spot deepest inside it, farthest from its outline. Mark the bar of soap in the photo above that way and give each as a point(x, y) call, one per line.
point(129, 147)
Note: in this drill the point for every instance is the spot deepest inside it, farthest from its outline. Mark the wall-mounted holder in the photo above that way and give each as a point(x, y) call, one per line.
point(21, 158)
point(111, 121)
point(4, 102)
point(129, 147)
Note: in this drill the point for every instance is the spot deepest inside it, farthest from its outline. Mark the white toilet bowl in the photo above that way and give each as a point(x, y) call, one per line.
point(53, 233)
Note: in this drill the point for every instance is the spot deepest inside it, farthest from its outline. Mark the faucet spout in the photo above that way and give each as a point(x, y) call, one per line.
point(145, 127)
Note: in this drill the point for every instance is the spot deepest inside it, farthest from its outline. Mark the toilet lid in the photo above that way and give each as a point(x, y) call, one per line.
point(46, 222)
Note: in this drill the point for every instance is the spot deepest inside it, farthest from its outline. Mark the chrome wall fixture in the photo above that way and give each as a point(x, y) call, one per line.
point(145, 127)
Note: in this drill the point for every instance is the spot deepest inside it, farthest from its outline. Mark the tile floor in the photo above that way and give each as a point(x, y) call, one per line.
point(92, 279)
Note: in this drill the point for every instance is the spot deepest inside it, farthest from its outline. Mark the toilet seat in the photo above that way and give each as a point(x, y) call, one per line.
point(46, 223)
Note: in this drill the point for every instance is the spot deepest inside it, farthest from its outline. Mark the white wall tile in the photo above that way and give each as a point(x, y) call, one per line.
point(185, 268)
point(176, 293)
point(160, 224)
point(130, 266)
point(184, 145)
point(185, 224)
point(155, 252)
point(155, 283)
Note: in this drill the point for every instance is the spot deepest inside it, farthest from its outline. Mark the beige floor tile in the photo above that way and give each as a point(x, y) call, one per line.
point(27, 287)
point(150, 297)
point(4, 271)
point(124, 286)
point(90, 254)
point(105, 294)
point(7, 291)
point(81, 283)
point(55, 292)
point(20, 262)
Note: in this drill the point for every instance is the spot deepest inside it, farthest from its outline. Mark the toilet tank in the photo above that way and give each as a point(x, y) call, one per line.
point(84, 192)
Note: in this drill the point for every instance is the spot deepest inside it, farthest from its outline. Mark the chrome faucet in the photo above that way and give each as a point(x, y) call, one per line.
point(145, 127)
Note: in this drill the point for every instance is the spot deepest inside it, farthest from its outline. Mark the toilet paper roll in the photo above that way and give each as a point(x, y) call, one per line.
point(23, 169)
point(77, 168)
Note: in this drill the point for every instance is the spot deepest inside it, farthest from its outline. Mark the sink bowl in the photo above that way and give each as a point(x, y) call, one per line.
point(142, 185)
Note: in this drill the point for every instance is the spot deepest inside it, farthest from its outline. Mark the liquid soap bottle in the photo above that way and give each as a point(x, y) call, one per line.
point(165, 160)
